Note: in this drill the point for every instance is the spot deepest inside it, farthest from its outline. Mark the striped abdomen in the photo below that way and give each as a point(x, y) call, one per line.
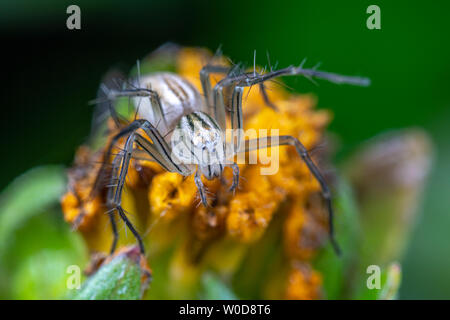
point(178, 97)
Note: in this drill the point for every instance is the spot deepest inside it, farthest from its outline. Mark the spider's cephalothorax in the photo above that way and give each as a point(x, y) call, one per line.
point(198, 140)
point(187, 129)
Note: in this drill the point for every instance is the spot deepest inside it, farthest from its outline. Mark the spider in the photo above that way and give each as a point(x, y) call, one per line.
point(168, 106)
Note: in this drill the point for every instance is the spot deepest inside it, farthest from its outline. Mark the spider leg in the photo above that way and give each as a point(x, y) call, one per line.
point(240, 81)
point(248, 79)
point(210, 97)
point(206, 83)
point(237, 118)
point(115, 169)
point(115, 232)
point(235, 183)
point(97, 185)
point(267, 142)
point(107, 155)
point(200, 187)
point(136, 92)
point(115, 200)
point(214, 98)
point(107, 95)
point(218, 112)
point(265, 97)
point(103, 108)
point(156, 149)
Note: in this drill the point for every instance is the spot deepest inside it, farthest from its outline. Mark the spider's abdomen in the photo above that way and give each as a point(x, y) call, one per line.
point(178, 97)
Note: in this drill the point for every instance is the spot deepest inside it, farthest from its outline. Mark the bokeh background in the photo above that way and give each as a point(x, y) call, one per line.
point(49, 73)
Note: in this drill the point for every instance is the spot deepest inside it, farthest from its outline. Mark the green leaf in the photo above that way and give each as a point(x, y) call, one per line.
point(26, 196)
point(337, 269)
point(36, 246)
point(215, 289)
point(42, 275)
point(120, 279)
point(390, 284)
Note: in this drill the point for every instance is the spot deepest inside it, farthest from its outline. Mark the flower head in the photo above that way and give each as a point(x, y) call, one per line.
point(278, 214)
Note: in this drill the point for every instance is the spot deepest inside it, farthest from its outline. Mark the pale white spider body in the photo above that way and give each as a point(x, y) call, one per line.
point(194, 136)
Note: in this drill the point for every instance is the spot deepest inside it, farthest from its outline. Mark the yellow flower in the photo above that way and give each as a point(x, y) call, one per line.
point(303, 283)
point(191, 239)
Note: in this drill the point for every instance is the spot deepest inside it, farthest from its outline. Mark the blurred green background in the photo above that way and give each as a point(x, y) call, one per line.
point(49, 73)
